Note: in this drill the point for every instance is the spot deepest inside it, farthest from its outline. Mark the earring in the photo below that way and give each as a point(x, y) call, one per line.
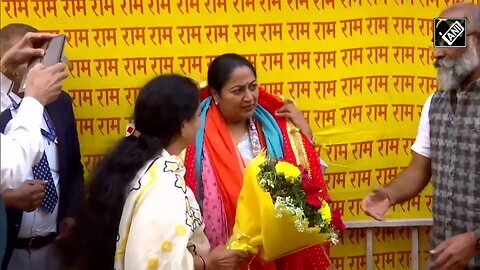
point(216, 103)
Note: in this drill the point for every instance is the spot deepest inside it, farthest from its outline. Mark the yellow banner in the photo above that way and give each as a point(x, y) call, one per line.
point(359, 69)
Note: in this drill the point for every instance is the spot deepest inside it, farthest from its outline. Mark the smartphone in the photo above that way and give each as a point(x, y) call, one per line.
point(53, 54)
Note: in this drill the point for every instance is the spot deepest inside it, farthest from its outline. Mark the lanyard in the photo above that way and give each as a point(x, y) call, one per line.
point(50, 134)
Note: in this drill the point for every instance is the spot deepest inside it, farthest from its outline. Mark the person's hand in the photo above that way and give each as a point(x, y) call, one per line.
point(296, 116)
point(65, 227)
point(27, 197)
point(45, 83)
point(455, 253)
point(376, 204)
point(25, 50)
point(224, 259)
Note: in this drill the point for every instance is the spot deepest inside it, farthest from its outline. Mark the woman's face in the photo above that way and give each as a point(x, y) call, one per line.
point(238, 98)
point(190, 128)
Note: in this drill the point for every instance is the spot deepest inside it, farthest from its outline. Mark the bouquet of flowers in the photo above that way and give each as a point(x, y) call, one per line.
point(281, 210)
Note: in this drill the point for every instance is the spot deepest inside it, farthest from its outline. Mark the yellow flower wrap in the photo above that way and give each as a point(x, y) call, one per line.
point(258, 231)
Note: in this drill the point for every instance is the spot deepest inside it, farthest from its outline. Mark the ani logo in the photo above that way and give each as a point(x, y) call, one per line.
point(449, 32)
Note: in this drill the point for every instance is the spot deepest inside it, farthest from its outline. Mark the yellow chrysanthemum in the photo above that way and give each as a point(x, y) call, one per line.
point(326, 212)
point(291, 172)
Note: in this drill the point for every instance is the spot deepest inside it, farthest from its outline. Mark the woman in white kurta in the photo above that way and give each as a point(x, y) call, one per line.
point(161, 225)
point(140, 215)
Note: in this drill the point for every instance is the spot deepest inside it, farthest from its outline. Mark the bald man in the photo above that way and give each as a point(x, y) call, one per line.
point(447, 149)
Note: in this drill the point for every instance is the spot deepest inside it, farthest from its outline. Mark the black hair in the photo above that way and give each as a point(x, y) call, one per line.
point(162, 106)
point(222, 67)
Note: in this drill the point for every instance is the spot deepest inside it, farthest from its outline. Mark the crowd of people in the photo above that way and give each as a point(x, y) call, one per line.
point(165, 196)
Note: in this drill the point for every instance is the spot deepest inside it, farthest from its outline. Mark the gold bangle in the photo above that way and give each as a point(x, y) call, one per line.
point(7, 72)
point(288, 100)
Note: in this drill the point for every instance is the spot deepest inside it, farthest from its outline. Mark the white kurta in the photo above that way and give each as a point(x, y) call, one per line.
point(161, 225)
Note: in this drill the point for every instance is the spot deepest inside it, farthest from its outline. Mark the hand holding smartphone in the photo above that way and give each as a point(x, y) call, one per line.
point(53, 49)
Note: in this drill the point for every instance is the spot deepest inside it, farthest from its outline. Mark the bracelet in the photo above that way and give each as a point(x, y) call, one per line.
point(203, 262)
point(7, 72)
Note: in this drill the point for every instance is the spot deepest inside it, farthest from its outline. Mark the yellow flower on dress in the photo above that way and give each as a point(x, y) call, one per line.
point(325, 212)
point(291, 172)
point(153, 263)
point(166, 246)
point(180, 230)
point(171, 166)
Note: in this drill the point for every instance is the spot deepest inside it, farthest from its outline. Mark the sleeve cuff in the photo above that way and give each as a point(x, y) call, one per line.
point(323, 165)
point(30, 111)
point(421, 150)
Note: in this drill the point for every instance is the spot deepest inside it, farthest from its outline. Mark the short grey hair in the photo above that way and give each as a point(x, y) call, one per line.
point(475, 18)
point(472, 12)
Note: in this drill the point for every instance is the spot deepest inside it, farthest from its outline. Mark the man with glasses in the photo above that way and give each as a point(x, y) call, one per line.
point(447, 149)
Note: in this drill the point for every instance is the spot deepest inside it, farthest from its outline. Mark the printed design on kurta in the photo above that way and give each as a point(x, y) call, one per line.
point(170, 166)
point(180, 230)
point(193, 217)
point(193, 249)
point(167, 246)
point(153, 263)
point(152, 171)
point(138, 185)
point(180, 183)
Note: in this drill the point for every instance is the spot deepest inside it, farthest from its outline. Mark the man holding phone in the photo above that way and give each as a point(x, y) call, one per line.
point(57, 184)
point(23, 143)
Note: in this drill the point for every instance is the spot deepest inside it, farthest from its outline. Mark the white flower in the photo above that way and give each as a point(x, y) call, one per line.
point(285, 205)
point(299, 225)
point(263, 183)
point(334, 238)
point(270, 183)
point(266, 182)
point(299, 213)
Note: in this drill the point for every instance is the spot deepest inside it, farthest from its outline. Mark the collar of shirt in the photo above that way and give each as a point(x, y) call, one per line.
point(48, 131)
point(175, 161)
point(5, 87)
point(15, 98)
